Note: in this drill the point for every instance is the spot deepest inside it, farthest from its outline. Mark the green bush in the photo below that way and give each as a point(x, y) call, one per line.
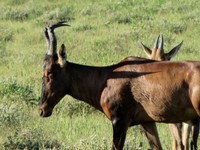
point(15, 14)
point(92, 144)
point(6, 34)
point(21, 13)
point(84, 27)
point(12, 90)
point(178, 28)
point(10, 114)
point(15, 2)
point(57, 14)
point(30, 139)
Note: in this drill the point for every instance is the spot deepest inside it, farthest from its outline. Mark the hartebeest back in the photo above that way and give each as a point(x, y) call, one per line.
point(126, 92)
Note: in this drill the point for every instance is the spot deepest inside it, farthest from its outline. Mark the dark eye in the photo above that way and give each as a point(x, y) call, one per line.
point(50, 76)
point(47, 78)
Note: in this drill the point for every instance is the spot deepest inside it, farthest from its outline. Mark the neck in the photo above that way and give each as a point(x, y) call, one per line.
point(87, 83)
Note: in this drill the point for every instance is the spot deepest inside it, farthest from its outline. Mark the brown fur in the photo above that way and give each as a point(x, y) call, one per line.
point(180, 134)
point(131, 92)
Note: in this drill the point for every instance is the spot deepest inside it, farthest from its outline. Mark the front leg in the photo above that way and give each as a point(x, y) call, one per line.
point(120, 127)
point(152, 135)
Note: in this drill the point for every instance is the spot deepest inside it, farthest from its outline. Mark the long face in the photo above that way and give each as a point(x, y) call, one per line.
point(54, 73)
point(53, 86)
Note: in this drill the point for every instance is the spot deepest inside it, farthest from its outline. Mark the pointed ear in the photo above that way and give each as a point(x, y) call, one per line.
point(174, 51)
point(62, 55)
point(147, 50)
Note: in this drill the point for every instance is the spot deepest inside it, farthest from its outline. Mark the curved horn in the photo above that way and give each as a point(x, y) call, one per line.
point(52, 48)
point(156, 42)
point(161, 45)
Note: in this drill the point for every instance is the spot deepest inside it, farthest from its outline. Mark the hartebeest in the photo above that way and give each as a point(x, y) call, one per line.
point(126, 92)
point(180, 136)
point(157, 53)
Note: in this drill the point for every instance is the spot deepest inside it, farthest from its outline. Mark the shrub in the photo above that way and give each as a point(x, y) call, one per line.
point(57, 14)
point(5, 34)
point(14, 2)
point(178, 28)
point(83, 27)
point(12, 90)
point(30, 139)
point(94, 144)
point(10, 114)
point(15, 14)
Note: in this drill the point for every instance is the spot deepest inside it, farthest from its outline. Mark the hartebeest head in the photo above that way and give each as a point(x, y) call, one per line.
point(53, 72)
point(157, 53)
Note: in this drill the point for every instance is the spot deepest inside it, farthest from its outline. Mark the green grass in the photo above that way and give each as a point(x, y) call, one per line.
point(101, 33)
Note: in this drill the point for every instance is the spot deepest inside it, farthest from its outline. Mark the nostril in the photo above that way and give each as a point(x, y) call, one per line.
point(41, 112)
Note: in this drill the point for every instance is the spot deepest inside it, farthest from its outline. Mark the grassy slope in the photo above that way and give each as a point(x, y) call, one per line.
point(102, 33)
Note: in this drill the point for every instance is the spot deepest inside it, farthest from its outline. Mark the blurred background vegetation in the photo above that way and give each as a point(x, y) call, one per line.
point(101, 33)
